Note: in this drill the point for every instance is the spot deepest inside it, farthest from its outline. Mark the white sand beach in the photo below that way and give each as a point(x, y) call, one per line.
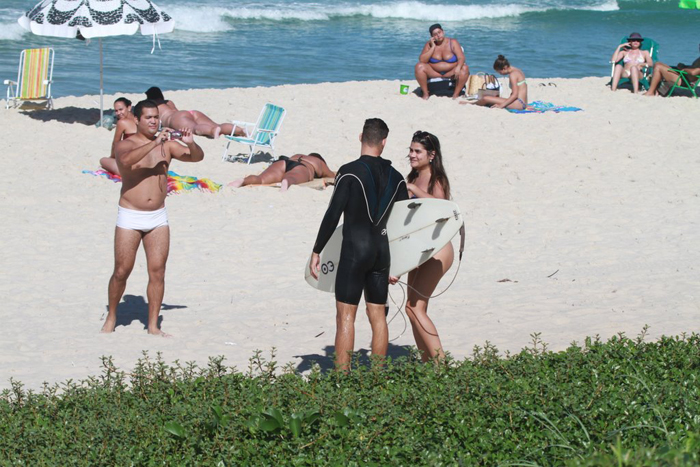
point(578, 224)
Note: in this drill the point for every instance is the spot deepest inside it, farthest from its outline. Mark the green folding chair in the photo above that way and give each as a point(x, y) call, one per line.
point(34, 78)
point(649, 45)
point(686, 83)
point(258, 135)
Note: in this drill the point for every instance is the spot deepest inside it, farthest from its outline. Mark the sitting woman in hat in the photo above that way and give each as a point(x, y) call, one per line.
point(633, 58)
point(442, 57)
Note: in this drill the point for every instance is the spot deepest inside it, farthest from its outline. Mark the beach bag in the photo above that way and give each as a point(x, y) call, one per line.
point(483, 84)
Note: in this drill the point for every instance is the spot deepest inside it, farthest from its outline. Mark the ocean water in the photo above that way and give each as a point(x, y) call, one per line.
point(221, 44)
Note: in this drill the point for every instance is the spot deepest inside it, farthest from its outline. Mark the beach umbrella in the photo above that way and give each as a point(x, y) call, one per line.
point(96, 19)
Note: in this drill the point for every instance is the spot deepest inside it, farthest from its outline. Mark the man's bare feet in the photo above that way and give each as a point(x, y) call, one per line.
point(158, 332)
point(110, 324)
point(237, 183)
point(284, 186)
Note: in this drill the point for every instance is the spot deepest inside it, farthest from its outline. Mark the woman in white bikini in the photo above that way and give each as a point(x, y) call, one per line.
point(633, 59)
point(126, 126)
point(518, 85)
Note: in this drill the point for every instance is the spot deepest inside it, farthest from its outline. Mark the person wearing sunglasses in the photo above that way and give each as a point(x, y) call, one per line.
point(633, 58)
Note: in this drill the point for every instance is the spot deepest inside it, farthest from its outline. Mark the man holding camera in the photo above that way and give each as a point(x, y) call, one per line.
point(143, 161)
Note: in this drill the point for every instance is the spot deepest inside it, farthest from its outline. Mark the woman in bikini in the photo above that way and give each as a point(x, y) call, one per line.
point(300, 168)
point(518, 85)
point(442, 57)
point(633, 59)
point(194, 120)
point(126, 126)
point(427, 179)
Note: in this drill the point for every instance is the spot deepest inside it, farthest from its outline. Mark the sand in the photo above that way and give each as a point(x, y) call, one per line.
point(578, 224)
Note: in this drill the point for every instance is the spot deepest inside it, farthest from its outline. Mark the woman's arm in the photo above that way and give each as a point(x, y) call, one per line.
point(427, 52)
point(619, 54)
point(647, 58)
point(514, 90)
point(118, 133)
point(459, 53)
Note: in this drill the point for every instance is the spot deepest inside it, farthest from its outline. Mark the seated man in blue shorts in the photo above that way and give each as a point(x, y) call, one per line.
point(365, 191)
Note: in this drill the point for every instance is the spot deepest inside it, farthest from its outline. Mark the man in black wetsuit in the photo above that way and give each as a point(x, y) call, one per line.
point(365, 191)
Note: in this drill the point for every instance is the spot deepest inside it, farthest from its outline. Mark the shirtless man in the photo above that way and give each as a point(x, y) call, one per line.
point(143, 161)
point(365, 191)
point(663, 72)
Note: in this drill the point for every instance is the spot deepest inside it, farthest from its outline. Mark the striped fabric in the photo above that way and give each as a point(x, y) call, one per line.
point(269, 120)
point(35, 64)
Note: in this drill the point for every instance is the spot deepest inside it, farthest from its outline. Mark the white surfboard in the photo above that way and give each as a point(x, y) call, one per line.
point(417, 230)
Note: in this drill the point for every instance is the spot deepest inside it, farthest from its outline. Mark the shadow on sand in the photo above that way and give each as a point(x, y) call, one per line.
point(325, 362)
point(134, 307)
point(64, 115)
point(259, 156)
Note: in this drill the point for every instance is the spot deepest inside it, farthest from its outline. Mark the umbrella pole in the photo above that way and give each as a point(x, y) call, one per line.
point(101, 87)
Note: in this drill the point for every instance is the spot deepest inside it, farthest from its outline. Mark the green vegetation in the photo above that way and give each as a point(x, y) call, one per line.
point(624, 402)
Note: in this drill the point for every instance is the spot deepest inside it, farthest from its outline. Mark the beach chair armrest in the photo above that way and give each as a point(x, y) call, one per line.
point(9, 82)
point(247, 126)
point(48, 81)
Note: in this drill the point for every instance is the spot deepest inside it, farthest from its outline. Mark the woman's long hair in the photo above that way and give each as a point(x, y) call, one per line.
point(437, 169)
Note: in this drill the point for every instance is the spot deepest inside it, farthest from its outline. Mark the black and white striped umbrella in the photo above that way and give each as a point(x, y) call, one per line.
point(96, 19)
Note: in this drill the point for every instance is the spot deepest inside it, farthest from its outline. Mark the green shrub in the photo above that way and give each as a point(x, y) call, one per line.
point(621, 402)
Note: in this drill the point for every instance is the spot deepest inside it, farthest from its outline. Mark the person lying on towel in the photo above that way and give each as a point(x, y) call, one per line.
point(300, 168)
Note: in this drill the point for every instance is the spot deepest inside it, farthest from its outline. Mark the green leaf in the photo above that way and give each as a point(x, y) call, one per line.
point(269, 425)
point(341, 419)
point(276, 414)
point(295, 425)
point(175, 429)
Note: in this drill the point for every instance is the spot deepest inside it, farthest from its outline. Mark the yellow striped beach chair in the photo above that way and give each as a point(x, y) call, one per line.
point(34, 78)
point(258, 135)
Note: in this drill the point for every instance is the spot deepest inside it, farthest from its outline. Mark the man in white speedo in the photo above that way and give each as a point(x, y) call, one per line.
point(143, 161)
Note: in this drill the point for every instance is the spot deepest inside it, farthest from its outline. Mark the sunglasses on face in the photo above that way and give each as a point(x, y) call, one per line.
point(635, 40)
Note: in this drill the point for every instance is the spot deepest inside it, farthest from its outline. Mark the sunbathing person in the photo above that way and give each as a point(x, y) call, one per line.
point(518, 85)
point(633, 58)
point(668, 74)
point(126, 126)
point(300, 168)
point(442, 57)
point(194, 120)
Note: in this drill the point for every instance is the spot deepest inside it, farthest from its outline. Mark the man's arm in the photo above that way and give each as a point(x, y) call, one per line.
point(127, 154)
point(189, 153)
point(335, 209)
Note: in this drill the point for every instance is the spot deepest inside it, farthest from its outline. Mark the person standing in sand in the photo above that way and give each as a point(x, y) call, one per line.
point(365, 191)
point(143, 161)
point(441, 57)
point(427, 179)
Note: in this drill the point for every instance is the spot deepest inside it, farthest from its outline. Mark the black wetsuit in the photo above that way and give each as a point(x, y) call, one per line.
point(365, 191)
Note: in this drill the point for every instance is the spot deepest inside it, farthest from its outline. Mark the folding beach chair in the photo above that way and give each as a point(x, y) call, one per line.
point(258, 135)
point(34, 78)
point(649, 45)
point(686, 83)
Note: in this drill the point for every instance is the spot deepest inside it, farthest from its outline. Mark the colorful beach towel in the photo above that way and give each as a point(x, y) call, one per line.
point(176, 183)
point(538, 107)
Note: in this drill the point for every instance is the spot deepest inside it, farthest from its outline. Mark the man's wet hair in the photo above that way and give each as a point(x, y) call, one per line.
point(145, 104)
point(374, 131)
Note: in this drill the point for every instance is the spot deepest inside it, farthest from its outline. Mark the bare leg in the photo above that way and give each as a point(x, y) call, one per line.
point(227, 128)
point(273, 174)
point(493, 100)
point(462, 78)
point(344, 334)
point(295, 176)
point(156, 244)
point(380, 331)
point(109, 164)
point(617, 74)
point(423, 71)
point(634, 78)
point(661, 72)
point(126, 243)
point(422, 283)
